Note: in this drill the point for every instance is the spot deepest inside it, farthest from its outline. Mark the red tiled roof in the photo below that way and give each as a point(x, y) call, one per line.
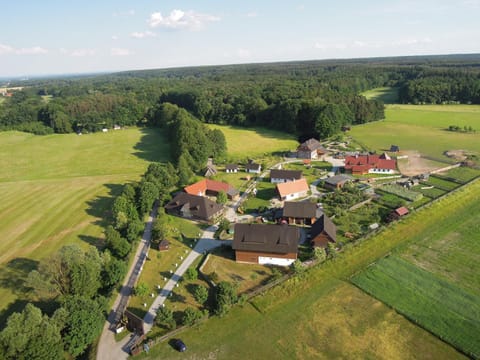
point(292, 187)
point(206, 184)
point(401, 211)
point(365, 162)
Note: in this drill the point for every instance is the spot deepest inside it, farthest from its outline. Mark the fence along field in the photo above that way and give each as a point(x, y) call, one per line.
point(439, 306)
point(55, 190)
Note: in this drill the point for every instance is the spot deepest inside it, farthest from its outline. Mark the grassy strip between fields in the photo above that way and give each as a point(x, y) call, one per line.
point(440, 307)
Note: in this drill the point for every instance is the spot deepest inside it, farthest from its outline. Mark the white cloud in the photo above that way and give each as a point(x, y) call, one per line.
point(252, 14)
point(323, 46)
point(82, 52)
point(141, 35)
point(120, 52)
point(35, 50)
point(114, 37)
point(179, 19)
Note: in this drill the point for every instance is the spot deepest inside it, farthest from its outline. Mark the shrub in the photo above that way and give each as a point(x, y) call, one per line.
point(191, 274)
point(200, 294)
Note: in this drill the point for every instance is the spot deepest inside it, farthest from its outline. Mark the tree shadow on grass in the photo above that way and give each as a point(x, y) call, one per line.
point(153, 145)
point(13, 275)
point(101, 206)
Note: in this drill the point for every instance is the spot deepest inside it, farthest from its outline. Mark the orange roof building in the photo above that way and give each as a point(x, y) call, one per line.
point(370, 164)
point(293, 189)
point(211, 187)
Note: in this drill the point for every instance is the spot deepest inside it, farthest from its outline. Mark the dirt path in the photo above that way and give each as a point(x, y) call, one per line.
point(415, 164)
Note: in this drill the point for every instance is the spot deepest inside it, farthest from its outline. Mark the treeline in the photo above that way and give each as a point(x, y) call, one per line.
point(311, 98)
point(191, 141)
point(442, 86)
point(77, 283)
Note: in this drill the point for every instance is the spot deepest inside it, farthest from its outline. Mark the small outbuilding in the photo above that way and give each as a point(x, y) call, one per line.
point(394, 148)
point(337, 181)
point(164, 245)
point(398, 213)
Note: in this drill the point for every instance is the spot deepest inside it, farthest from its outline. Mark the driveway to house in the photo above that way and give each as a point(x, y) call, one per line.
point(108, 348)
point(336, 163)
point(204, 244)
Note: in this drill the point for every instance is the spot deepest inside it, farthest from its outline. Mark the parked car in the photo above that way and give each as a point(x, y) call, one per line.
point(180, 345)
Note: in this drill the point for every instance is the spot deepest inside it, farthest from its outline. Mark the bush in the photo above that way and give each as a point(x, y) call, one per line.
point(200, 294)
point(191, 274)
point(165, 318)
point(191, 316)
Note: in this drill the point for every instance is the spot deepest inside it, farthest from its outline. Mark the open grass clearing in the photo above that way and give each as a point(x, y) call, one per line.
point(389, 95)
point(57, 190)
point(265, 192)
point(431, 192)
point(439, 306)
point(243, 143)
point(404, 125)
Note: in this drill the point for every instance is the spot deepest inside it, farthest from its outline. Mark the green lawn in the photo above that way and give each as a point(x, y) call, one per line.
point(439, 306)
point(243, 143)
point(462, 174)
point(422, 128)
point(265, 192)
point(57, 189)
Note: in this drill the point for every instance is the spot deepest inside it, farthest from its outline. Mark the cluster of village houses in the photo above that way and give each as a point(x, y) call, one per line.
point(275, 244)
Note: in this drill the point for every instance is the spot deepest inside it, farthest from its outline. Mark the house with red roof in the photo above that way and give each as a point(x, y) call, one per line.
point(370, 164)
point(207, 187)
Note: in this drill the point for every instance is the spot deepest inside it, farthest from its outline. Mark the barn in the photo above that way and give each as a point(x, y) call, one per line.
point(266, 244)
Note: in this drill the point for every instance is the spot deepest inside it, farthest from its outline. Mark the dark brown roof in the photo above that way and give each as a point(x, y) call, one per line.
point(199, 206)
point(285, 174)
point(310, 145)
point(304, 209)
point(338, 179)
point(324, 223)
point(280, 239)
point(231, 166)
point(252, 166)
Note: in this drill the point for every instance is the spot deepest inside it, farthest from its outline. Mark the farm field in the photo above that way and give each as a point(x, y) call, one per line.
point(56, 189)
point(297, 326)
point(439, 306)
point(243, 143)
point(405, 124)
point(300, 329)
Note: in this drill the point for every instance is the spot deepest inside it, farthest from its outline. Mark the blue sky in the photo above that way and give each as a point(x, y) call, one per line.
point(58, 36)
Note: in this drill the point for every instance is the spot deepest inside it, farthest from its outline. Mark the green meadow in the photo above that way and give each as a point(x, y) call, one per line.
point(255, 142)
point(422, 128)
point(57, 190)
point(388, 95)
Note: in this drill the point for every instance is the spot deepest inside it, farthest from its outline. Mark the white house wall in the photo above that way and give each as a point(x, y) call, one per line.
point(263, 260)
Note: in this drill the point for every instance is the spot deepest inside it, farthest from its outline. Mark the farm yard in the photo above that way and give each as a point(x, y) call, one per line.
point(404, 124)
point(57, 189)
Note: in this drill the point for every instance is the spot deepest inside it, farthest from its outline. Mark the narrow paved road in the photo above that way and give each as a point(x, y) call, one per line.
point(108, 348)
point(205, 243)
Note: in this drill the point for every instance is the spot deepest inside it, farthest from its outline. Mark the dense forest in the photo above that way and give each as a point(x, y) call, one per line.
point(306, 98)
point(312, 98)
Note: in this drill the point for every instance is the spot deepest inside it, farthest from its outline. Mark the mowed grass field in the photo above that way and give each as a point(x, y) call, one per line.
point(321, 315)
point(252, 142)
point(422, 128)
point(437, 305)
point(57, 190)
